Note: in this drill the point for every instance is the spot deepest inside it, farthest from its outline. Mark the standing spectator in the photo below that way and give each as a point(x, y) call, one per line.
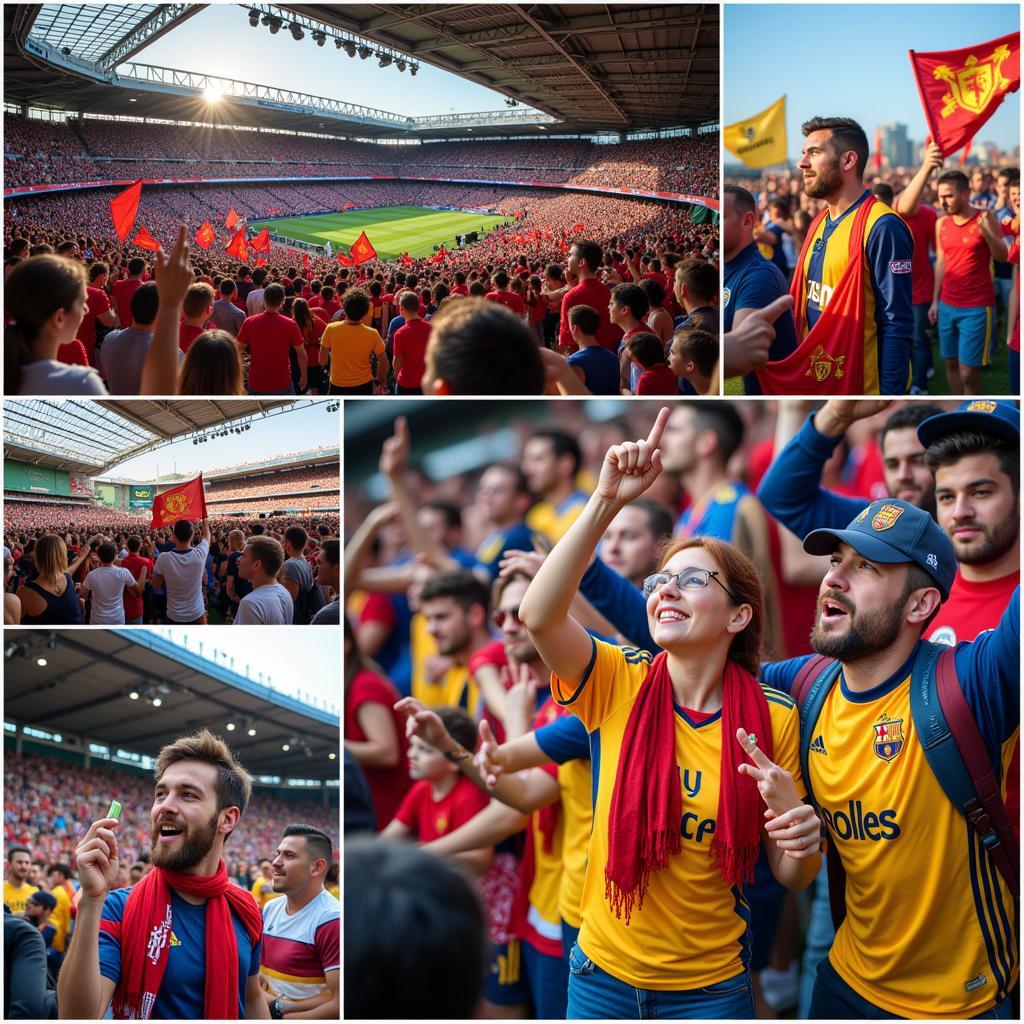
point(124, 352)
point(108, 584)
point(197, 309)
point(585, 260)
point(254, 300)
point(226, 315)
point(351, 346)
point(269, 337)
point(297, 577)
point(181, 570)
point(124, 289)
point(268, 603)
point(410, 346)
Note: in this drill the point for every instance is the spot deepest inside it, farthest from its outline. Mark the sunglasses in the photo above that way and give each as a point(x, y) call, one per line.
point(689, 579)
point(499, 617)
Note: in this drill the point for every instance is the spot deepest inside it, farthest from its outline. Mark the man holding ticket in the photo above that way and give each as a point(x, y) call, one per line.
point(183, 943)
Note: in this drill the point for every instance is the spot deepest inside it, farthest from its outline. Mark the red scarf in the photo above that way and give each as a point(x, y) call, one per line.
point(646, 807)
point(145, 931)
point(830, 360)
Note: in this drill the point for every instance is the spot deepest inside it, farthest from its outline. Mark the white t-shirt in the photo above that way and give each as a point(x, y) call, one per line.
point(183, 573)
point(48, 377)
point(254, 302)
point(270, 605)
point(106, 584)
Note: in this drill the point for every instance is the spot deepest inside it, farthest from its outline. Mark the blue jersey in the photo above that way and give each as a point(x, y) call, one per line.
point(600, 369)
point(512, 538)
point(752, 282)
point(778, 256)
point(564, 739)
point(181, 991)
point(716, 516)
point(791, 490)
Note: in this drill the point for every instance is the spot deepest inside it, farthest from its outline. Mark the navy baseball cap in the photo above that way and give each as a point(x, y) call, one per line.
point(892, 531)
point(996, 416)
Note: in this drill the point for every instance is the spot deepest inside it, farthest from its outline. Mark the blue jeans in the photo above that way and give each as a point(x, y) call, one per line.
point(546, 977)
point(596, 995)
point(921, 350)
point(1014, 371)
point(569, 937)
point(820, 935)
point(835, 1000)
point(133, 622)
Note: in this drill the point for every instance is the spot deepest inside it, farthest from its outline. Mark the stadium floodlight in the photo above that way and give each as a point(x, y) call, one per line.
point(41, 662)
point(385, 59)
point(275, 26)
point(133, 695)
point(296, 30)
point(319, 38)
point(285, 747)
point(332, 756)
point(413, 68)
point(364, 52)
point(400, 64)
point(230, 727)
point(349, 46)
point(156, 702)
point(254, 18)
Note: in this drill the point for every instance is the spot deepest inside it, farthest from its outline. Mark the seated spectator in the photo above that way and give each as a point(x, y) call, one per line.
point(693, 356)
point(123, 354)
point(647, 352)
point(593, 364)
point(197, 308)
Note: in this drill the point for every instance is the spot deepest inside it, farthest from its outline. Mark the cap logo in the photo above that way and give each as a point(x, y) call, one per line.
point(981, 407)
point(932, 560)
point(886, 517)
point(860, 518)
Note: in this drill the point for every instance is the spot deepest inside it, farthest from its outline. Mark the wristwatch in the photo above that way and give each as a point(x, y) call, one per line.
point(456, 754)
point(275, 1010)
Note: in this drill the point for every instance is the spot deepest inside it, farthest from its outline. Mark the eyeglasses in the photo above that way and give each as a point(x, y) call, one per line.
point(691, 578)
point(498, 618)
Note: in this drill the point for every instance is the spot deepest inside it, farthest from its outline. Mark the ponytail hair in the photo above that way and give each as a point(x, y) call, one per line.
point(35, 289)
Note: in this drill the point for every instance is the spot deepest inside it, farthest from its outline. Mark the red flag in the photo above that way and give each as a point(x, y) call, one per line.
point(261, 243)
point(362, 250)
point(144, 240)
point(578, 228)
point(260, 262)
point(876, 157)
point(123, 208)
point(232, 220)
point(305, 260)
point(563, 246)
point(961, 89)
point(187, 501)
point(206, 236)
point(236, 247)
point(345, 261)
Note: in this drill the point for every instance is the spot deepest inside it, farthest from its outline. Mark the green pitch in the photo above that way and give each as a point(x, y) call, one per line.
point(392, 230)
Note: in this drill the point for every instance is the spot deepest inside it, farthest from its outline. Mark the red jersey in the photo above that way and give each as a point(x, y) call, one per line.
point(316, 332)
point(96, 305)
point(187, 334)
point(509, 299)
point(133, 602)
point(1014, 257)
point(269, 337)
point(387, 785)
point(410, 342)
point(123, 292)
point(72, 353)
point(657, 380)
point(589, 292)
point(460, 289)
point(538, 310)
point(328, 309)
point(922, 230)
point(430, 819)
point(967, 282)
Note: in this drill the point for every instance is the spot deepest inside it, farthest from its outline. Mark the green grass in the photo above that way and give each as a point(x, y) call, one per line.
point(392, 230)
point(995, 379)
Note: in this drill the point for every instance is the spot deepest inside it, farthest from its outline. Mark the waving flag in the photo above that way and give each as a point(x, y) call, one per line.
point(327, 249)
point(206, 236)
point(305, 261)
point(407, 260)
point(345, 261)
point(188, 501)
point(144, 240)
point(237, 247)
point(123, 209)
point(961, 89)
point(362, 250)
point(261, 243)
point(760, 140)
point(232, 219)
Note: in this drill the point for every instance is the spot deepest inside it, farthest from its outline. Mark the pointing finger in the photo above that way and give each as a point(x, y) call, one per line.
point(654, 437)
point(748, 741)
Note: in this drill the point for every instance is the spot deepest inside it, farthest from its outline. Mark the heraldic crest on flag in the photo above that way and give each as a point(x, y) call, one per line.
point(974, 85)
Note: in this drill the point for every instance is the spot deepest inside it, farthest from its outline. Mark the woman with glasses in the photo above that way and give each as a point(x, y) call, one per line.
point(695, 766)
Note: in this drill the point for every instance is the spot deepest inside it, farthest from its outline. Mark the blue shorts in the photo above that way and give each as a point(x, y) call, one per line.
point(520, 974)
point(966, 334)
point(505, 984)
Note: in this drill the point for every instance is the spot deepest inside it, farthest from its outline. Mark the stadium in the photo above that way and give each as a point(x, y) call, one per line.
point(73, 469)
point(86, 713)
point(586, 145)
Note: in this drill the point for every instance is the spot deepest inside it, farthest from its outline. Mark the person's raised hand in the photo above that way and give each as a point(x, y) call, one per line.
point(420, 721)
point(525, 562)
point(933, 158)
point(776, 785)
point(174, 275)
point(488, 759)
point(797, 832)
point(96, 857)
point(631, 467)
point(394, 453)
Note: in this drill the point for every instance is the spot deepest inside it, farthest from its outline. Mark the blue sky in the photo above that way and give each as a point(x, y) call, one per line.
point(219, 41)
point(292, 431)
point(838, 60)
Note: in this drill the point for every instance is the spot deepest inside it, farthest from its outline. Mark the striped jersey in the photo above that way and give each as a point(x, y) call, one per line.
point(300, 949)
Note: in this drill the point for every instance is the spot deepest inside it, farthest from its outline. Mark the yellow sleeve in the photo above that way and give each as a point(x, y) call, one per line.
point(786, 735)
point(612, 679)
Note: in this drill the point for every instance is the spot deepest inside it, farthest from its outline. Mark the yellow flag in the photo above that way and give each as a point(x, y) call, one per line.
point(759, 141)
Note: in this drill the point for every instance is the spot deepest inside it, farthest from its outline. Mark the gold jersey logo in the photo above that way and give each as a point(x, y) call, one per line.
point(822, 365)
point(973, 86)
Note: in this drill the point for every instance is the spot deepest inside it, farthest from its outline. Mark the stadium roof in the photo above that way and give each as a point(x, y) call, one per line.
point(93, 437)
point(591, 67)
point(83, 690)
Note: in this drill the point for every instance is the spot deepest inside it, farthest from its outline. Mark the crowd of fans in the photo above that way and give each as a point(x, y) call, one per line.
point(284, 481)
point(48, 152)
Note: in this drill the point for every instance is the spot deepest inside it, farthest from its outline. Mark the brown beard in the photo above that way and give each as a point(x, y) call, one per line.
point(875, 631)
point(825, 182)
point(196, 843)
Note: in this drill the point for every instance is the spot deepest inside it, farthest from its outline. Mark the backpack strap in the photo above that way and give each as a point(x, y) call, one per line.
point(959, 758)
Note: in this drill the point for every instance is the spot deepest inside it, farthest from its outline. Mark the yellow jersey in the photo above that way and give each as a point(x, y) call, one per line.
point(455, 689)
point(553, 520)
point(263, 892)
point(61, 917)
point(693, 928)
point(15, 899)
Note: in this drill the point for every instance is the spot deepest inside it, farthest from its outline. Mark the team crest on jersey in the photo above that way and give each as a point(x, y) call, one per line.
point(981, 407)
point(888, 741)
point(973, 86)
point(885, 517)
point(726, 295)
point(824, 365)
point(441, 824)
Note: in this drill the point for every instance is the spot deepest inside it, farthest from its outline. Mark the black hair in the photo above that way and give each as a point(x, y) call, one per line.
point(957, 179)
point(647, 348)
point(590, 252)
point(461, 585)
point(107, 552)
point(951, 448)
point(913, 414)
point(724, 421)
point(847, 135)
point(586, 318)
point(144, 303)
point(356, 304)
point(318, 843)
point(17, 849)
point(452, 514)
point(460, 726)
point(182, 530)
point(415, 934)
point(634, 297)
point(563, 444)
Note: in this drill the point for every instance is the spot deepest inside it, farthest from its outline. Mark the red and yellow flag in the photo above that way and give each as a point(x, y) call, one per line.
point(236, 247)
point(345, 261)
point(206, 236)
point(232, 219)
point(362, 250)
point(144, 240)
point(961, 89)
point(123, 208)
point(187, 501)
